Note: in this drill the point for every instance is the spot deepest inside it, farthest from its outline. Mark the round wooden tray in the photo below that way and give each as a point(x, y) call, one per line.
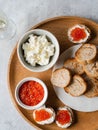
point(58, 26)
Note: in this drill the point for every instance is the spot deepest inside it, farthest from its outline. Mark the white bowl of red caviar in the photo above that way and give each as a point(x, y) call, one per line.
point(31, 93)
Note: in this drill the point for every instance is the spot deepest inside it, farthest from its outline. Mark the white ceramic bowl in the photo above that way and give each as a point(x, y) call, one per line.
point(51, 38)
point(26, 106)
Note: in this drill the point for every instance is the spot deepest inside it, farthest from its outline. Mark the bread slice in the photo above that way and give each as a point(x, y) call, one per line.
point(62, 114)
point(61, 77)
point(39, 113)
point(82, 38)
point(91, 69)
point(86, 53)
point(92, 87)
point(77, 87)
point(74, 66)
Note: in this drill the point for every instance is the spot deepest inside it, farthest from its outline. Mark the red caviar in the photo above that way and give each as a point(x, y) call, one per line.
point(63, 117)
point(78, 34)
point(42, 115)
point(31, 93)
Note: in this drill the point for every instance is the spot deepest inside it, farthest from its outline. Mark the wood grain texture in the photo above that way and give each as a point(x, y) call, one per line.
point(58, 26)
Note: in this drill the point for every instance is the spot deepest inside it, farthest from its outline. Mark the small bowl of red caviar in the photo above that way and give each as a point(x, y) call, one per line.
point(31, 93)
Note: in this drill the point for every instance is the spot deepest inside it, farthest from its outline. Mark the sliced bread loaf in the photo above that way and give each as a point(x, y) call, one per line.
point(92, 87)
point(61, 77)
point(86, 53)
point(74, 66)
point(91, 69)
point(77, 87)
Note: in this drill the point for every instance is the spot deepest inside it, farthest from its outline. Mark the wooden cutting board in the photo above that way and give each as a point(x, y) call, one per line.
point(16, 72)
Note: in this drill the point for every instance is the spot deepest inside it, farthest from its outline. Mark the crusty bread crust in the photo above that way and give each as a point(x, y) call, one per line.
point(86, 53)
point(92, 87)
point(91, 69)
point(74, 66)
point(61, 77)
point(77, 87)
point(87, 30)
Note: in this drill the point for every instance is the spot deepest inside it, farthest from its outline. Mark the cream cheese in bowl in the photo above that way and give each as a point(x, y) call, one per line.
point(38, 50)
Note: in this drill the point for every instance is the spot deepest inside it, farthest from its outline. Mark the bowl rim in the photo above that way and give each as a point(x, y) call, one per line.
point(56, 54)
point(18, 86)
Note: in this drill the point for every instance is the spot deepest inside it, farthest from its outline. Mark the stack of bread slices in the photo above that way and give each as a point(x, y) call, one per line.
point(79, 75)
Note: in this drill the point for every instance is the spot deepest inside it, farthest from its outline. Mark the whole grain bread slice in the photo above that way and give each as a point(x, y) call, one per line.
point(91, 69)
point(74, 66)
point(77, 87)
point(86, 53)
point(92, 87)
point(61, 77)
